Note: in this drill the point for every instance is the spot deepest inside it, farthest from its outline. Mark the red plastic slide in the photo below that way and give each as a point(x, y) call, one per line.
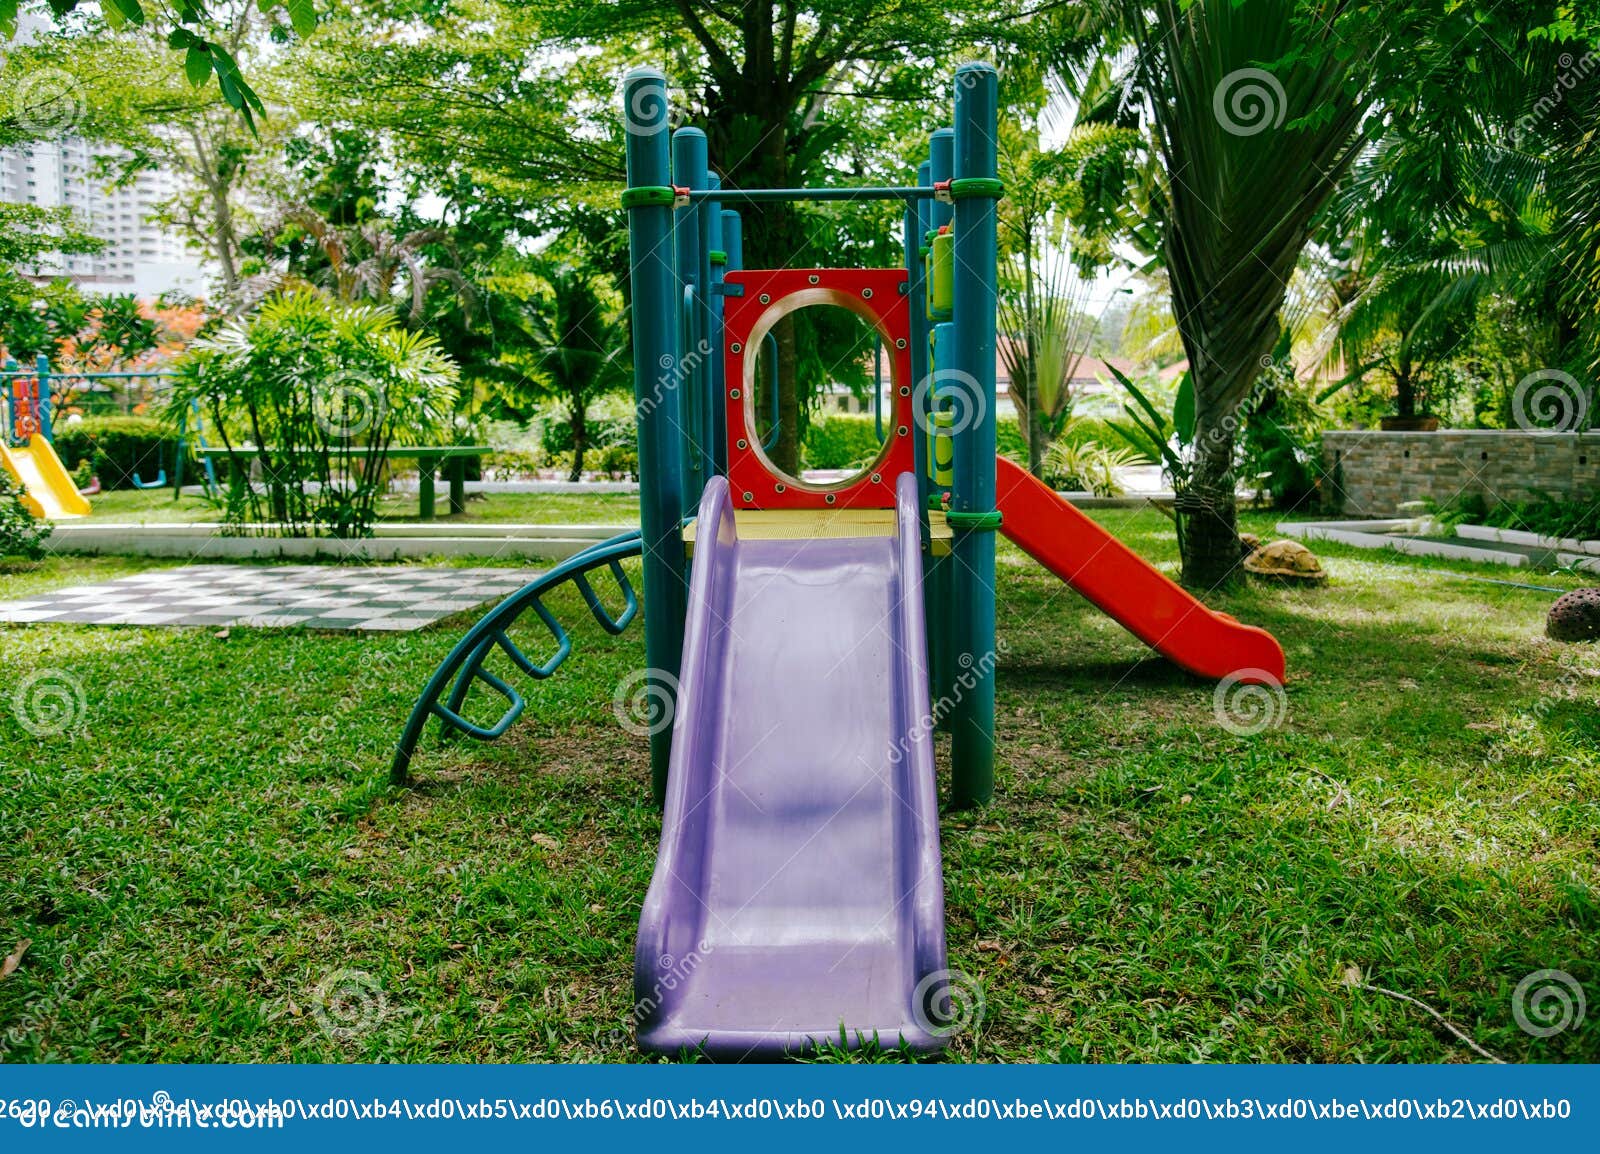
point(1126, 588)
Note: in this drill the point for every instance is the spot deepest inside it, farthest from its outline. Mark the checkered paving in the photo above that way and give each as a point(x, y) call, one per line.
point(313, 596)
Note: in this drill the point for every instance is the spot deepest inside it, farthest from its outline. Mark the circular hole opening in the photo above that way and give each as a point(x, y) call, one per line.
point(838, 362)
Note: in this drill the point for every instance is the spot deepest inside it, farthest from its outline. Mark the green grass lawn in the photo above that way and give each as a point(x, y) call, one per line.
point(156, 506)
point(211, 867)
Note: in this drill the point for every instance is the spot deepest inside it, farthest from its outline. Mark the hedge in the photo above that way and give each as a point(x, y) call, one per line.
point(118, 447)
point(846, 440)
point(839, 441)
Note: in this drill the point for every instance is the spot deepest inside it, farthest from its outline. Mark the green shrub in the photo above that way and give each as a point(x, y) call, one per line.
point(118, 447)
point(839, 441)
point(1084, 466)
point(1075, 431)
point(512, 464)
point(620, 458)
point(1008, 440)
point(304, 378)
point(1550, 516)
point(21, 535)
point(847, 440)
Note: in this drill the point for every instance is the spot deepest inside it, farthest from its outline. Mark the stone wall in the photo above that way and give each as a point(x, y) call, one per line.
point(1371, 473)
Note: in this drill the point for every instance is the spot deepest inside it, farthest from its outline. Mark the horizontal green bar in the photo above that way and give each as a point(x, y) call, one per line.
point(767, 195)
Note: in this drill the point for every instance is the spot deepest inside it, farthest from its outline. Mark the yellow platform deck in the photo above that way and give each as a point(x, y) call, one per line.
point(806, 524)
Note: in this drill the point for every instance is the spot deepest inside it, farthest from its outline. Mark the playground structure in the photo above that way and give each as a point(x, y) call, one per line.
point(26, 446)
point(797, 634)
point(29, 408)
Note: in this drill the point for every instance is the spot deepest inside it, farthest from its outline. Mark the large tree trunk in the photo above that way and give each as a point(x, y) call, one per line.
point(1405, 389)
point(749, 142)
point(580, 436)
point(785, 451)
point(1208, 527)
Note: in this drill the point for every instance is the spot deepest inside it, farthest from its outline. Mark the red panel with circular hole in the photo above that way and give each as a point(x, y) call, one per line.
point(878, 296)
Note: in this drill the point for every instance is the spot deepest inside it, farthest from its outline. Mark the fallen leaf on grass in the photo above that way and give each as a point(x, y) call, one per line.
point(1352, 975)
point(545, 840)
point(221, 635)
point(14, 958)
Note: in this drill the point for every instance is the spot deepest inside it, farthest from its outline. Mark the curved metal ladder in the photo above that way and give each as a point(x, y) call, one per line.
point(447, 689)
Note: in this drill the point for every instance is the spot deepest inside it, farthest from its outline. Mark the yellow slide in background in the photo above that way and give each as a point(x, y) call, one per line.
point(49, 490)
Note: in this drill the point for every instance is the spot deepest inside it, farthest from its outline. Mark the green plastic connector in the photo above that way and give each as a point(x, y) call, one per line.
point(971, 186)
point(974, 522)
point(718, 256)
point(648, 195)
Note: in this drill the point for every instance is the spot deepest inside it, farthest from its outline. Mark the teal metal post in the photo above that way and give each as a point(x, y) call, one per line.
point(690, 254)
point(940, 582)
point(657, 394)
point(915, 225)
point(974, 190)
point(41, 383)
point(8, 408)
point(717, 263)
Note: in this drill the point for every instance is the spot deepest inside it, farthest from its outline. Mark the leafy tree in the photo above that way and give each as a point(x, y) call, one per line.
point(1255, 108)
point(369, 261)
point(1045, 328)
point(188, 28)
point(107, 93)
point(302, 379)
point(1455, 203)
point(577, 347)
point(31, 231)
point(784, 92)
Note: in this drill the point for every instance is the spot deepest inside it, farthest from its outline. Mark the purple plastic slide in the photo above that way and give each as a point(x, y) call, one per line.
point(798, 885)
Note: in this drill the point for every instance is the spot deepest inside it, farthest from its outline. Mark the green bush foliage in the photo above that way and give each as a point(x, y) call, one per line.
point(847, 440)
point(1550, 517)
point(839, 441)
point(21, 534)
point(305, 379)
point(116, 448)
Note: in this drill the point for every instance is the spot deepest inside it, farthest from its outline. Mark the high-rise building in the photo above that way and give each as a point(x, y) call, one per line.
point(141, 256)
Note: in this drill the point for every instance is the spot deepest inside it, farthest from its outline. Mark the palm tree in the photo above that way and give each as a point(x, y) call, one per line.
point(1046, 330)
point(581, 346)
point(1470, 202)
point(371, 260)
point(1250, 156)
